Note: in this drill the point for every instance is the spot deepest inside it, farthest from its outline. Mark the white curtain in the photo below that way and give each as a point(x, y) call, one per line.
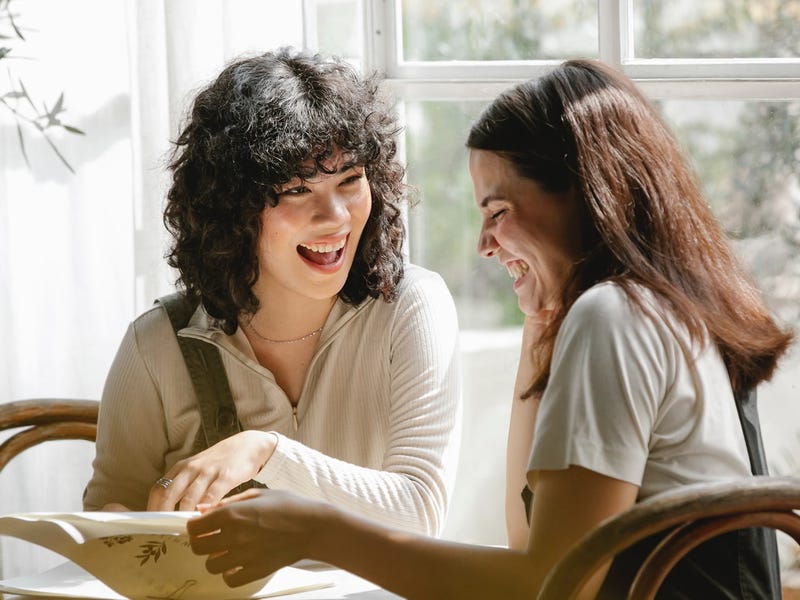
point(81, 254)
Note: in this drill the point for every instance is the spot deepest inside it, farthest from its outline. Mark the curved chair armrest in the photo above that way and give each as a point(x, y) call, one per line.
point(759, 494)
point(45, 419)
point(22, 413)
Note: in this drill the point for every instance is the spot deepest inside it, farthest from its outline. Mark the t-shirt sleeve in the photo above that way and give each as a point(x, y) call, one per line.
point(606, 383)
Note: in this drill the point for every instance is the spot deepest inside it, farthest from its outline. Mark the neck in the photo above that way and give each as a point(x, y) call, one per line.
point(288, 319)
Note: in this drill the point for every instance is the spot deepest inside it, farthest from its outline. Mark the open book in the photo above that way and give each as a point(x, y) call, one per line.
point(132, 555)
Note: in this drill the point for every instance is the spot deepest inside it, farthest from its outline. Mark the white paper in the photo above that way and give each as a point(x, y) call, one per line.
point(135, 555)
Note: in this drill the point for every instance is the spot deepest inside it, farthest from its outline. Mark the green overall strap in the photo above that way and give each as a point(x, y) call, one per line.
point(214, 400)
point(218, 417)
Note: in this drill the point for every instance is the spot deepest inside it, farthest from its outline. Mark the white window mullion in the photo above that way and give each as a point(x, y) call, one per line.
point(613, 36)
point(380, 37)
point(666, 89)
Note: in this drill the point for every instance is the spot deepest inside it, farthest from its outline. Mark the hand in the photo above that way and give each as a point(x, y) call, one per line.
point(115, 507)
point(253, 534)
point(206, 477)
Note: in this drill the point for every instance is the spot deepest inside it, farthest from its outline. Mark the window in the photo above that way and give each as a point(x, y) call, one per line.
point(724, 73)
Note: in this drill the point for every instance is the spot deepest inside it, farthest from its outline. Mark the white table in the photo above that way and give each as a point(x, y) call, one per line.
point(345, 585)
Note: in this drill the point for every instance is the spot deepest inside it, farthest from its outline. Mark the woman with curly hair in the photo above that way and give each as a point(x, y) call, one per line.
point(643, 335)
point(342, 362)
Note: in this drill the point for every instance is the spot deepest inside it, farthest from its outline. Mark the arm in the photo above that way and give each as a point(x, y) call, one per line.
point(131, 434)
point(256, 533)
point(420, 363)
point(520, 438)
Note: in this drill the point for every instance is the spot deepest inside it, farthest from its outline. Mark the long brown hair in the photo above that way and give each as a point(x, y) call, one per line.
point(585, 126)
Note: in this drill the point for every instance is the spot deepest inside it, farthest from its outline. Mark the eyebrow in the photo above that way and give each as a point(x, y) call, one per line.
point(345, 167)
point(348, 165)
point(491, 198)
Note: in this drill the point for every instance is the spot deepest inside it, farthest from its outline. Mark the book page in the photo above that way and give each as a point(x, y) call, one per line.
point(138, 555)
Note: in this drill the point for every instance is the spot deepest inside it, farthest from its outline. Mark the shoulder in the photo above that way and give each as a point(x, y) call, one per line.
point(152, 322)
point(422, 290)
point(152, 335)
point(600, 302)
point(422, 302)
point(607, 319)
point(609, 305)
point(601, 308)
point(415, 276)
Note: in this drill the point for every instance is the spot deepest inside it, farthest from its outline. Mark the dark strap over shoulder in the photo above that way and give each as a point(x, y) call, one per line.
point(738, 565)
point(764, 580)
point(218, 416)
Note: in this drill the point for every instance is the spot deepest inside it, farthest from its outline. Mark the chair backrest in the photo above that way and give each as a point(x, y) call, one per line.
point(43, 419)
point(693, 514)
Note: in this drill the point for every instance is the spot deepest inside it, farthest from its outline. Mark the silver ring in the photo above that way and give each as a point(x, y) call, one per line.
point(164, 482)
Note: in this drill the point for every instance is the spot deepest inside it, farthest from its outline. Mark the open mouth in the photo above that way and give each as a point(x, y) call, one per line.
point(517, 268)
point(322, 254)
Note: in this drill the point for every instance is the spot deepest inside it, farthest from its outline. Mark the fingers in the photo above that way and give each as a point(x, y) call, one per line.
point(207, 543)
point(242, 575)
point(185, 488)
point(206, 477)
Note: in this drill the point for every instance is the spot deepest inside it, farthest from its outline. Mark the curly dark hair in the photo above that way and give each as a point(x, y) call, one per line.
point(249, 131)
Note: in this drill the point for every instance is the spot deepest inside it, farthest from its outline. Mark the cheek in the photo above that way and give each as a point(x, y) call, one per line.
point(361, 207)
point(275, 233)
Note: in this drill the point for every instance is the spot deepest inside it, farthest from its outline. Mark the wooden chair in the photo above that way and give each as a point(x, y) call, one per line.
point(694, 514)
point(46, 419)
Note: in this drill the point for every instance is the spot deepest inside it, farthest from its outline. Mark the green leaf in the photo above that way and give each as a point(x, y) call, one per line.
point(27, 95)
point(61, 156)
point(72, 129)
point(22, 144)
point(14, 25)
point(13, 94)
point(4, 51)
point(59, 106)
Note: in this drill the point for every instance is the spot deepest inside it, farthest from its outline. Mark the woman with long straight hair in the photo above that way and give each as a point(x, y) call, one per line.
point(642, 333)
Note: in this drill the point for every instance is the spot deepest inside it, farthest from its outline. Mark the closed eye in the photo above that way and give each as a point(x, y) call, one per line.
point(497, 215)
point(294, 191)
point(352, 179)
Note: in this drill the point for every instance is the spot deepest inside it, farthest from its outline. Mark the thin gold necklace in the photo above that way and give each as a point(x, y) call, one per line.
point(292, 341)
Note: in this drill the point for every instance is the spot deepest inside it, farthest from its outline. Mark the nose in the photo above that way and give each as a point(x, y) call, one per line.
point(331, 206)
point(487, 245)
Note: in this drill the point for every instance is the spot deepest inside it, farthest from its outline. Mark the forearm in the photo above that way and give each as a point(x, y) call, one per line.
point(395, 498)
point(422, 567)
point(520, 438)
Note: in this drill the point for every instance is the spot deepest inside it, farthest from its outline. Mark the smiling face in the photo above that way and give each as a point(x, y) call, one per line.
point(309, 239)
point(533, 233)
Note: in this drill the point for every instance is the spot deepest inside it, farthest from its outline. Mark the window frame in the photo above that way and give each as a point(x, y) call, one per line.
point(747, 79)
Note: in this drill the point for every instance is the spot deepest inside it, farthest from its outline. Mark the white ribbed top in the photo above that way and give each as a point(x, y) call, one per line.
point(378, 421)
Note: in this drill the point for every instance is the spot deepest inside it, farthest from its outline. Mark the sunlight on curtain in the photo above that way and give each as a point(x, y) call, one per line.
point(81, 254)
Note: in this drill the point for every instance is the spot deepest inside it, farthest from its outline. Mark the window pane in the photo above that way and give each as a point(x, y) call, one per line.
point(435, 30)
point(336, 27)
point(747, 154)
point(444, 225)
point(716, 29)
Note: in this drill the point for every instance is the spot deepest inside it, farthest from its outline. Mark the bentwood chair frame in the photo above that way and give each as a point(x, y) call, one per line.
point(45, 419)
point(694, 514)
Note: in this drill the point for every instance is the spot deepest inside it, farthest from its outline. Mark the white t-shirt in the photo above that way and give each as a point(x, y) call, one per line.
point(630, 397)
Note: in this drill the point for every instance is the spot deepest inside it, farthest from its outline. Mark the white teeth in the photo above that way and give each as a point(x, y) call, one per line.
point(517, 269)
point(325, 247)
